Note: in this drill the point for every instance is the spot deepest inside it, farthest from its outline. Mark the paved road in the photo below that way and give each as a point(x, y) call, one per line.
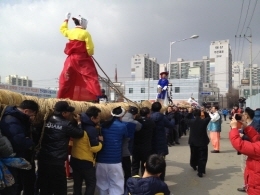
point(223, 172)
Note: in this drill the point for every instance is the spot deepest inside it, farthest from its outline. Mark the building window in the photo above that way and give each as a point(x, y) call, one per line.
point(177, 89)
point(142, 90)
point(131, 90)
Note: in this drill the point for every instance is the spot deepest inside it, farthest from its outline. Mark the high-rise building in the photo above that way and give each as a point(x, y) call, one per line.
point(23, 81)
point(143, 67)
point(255, 74)
point(182, 69)
point(237, 74)
point(221, 65)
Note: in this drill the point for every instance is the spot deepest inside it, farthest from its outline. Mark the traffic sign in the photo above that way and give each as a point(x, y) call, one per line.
point(205, 93)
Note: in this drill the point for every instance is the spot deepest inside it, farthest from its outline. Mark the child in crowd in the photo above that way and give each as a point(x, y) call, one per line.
point(150, 183)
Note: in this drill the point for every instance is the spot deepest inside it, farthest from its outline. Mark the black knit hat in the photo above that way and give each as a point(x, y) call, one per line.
point(118, 112)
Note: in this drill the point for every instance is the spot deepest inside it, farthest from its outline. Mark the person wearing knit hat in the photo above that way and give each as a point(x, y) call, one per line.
point(109, 172)
point(79, 78)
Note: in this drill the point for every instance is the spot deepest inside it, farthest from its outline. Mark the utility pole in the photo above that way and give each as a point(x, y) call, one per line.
point(251, 61)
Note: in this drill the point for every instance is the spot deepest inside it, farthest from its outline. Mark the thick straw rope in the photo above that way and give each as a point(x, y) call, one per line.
point(46, 105)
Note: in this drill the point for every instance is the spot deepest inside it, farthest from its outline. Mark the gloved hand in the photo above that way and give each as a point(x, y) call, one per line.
point(67, 16)
point(165, 87)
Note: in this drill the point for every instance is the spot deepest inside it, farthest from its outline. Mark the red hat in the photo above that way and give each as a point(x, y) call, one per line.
point(164, 73)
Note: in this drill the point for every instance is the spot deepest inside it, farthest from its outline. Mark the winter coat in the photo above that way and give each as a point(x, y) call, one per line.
point(111, 152)
point(132, 126)
point(85, 148)
point(143, 138)
point(15, 125)
point(54, 145)
point(160, 140)
point(146, 186)
point(225, 112)
point(252, 150)
point(198, 130)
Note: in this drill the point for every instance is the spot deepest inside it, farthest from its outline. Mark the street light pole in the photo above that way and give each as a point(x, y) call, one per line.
point(170, 57)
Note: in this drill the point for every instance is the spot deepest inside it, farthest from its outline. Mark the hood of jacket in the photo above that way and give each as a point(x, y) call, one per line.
point(257, 113)
point(146, 186)
point(13, 111)
point(128, 117)
point(86, 120)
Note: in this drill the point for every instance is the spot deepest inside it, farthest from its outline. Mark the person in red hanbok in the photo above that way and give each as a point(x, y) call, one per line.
point(79, 78)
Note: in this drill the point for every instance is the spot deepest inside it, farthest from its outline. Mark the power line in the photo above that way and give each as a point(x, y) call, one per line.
point(255, 57)
point(252, 14)
point(238, 27)
point(243, 28)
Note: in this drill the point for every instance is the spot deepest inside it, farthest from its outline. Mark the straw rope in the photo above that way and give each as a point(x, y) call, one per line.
point(46, 105)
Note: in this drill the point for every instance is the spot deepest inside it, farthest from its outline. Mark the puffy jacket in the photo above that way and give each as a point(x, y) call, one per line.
point(252, 150)
point(111, 152)
point(146, 186)
point(54, 145)
point(15, 125)
point(159, 139)
point(84, 149)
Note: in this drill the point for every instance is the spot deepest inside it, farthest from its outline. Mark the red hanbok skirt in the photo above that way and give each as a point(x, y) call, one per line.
point(79, 78)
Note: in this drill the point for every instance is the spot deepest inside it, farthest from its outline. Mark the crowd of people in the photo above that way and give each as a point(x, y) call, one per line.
point(120, 155)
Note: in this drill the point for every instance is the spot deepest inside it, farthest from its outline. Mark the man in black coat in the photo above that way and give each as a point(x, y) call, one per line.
point(142, 147)
point(159, 139)
point(198, 141)
point(54, 149)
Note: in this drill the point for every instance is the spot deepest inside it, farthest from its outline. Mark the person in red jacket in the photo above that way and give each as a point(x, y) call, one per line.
point(79, 78)
point(252, 150)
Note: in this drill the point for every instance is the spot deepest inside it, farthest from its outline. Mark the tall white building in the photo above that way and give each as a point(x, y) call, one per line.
point(182, 69)
point(19, 81)
point(143, 67)
point(237, 74)
point(255, 74)
point(221, 65)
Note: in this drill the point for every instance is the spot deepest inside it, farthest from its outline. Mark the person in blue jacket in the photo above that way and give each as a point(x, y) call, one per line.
point(109, 172)
point(225, 113)
point(150, 183)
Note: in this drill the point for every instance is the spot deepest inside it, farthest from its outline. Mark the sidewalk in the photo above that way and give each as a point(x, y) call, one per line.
point(223, 172)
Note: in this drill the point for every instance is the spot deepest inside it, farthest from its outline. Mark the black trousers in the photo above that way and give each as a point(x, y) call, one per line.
point(225, 117)
point(89, 176)
point(199, 157)
point(126, 164)
point(138, 160)
point(52, 179)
